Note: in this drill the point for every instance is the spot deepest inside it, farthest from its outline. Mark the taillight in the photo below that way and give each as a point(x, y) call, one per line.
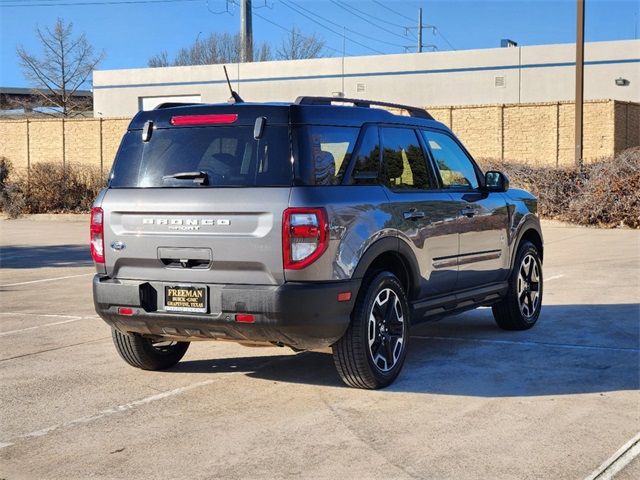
point(97, 234)
point(304, 236)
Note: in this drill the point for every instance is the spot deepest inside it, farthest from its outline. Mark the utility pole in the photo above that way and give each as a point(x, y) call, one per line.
point(579, 80)
point(246, 32)
point(420, 30)
point(421, 27)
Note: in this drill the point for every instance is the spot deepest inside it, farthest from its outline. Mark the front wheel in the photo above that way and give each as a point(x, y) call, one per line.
point(144, 353)
point(373, 349)
point(520, 308)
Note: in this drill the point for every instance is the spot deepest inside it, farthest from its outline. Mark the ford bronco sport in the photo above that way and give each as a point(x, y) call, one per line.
point(308, 224)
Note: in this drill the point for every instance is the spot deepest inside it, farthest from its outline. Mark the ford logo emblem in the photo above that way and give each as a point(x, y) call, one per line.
point(117, 246)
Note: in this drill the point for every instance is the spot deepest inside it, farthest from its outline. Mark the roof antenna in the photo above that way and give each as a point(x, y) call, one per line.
point(234, 98)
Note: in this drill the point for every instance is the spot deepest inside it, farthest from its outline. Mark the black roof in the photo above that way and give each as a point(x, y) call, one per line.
point(300, 113)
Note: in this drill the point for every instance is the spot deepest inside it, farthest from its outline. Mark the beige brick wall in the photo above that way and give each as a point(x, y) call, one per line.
point(13, 142)
point(479, 129)
point(627, 125)
point(45, 140)
point(90, 141)
point(543, 133)
point(112, 131)
point(82, 141)
point(540, 133)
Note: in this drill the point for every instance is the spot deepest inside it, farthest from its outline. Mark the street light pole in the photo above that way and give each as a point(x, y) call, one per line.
point(579, 82)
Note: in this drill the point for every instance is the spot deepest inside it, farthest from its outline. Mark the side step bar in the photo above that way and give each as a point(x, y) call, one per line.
point(433, 308)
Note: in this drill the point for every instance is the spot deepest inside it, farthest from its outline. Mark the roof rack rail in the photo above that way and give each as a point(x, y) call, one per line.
point(175, 104)
point(413, 111)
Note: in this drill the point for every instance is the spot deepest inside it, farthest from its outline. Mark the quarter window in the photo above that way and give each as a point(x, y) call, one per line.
point(455, 167)
point(404, 165)
point(366, 167)
point(324, 153)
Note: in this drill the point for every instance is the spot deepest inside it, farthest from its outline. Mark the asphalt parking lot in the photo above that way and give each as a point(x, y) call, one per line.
point(558, 401)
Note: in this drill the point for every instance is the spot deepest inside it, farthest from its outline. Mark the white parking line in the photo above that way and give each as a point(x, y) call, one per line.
point(616, 463)
point(36, 314)
point(129, 406)
point(46, 280)
point(528, 344)
point(11, 332)
point(554, 277)
point(109, 411)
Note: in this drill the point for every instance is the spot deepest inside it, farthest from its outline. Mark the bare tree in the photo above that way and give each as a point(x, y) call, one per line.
point(214, 49)
point(159, 60)
point(64, 67)
point(296, 46)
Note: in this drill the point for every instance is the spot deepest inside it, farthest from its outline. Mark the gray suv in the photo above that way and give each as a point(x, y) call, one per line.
point(320, 223)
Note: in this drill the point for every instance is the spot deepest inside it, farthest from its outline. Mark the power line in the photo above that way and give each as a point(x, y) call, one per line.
point(329, 28)
point(437, 30)
point(289, 30)
point(347, 29)
point(350, 8)
point(79, 4)
point(393, 11)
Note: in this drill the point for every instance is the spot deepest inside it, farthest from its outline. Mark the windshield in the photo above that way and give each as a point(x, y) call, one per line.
point(204, 157)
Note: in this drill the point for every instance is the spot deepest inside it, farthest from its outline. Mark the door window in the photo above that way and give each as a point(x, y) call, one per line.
point(404, 165)
point(455, 167)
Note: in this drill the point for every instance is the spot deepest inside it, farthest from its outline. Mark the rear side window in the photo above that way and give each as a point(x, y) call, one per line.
point(366, 167)
point(324, 153)
point(455, 167)
point(404, 164)
point(225, 156)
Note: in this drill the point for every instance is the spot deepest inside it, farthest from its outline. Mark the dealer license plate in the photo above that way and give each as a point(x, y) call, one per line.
point(185, 299)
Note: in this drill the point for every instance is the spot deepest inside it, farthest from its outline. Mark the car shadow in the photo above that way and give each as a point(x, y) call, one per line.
point(573, 349)
point(23, 256)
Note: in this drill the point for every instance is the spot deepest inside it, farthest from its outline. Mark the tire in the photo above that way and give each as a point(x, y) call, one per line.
point(141, 352)
point(520, 308)
point(372, 351)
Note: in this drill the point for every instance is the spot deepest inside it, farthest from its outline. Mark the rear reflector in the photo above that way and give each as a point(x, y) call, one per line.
point(344, 296)
point(204, 119)
point(126, 311)
point(245, 318)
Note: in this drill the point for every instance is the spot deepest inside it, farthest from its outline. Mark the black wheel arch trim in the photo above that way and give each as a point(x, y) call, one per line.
point(398, 247)
point(529, 223)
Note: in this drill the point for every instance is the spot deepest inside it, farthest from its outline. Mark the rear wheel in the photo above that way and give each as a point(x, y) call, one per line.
point(147, 354)
point(373, 349)
point(520, 309)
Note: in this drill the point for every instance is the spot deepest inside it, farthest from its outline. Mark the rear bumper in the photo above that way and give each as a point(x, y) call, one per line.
point(300, 315)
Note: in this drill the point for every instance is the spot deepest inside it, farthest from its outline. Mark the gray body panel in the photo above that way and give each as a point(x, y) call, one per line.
point(433, 238)
point(241, 228)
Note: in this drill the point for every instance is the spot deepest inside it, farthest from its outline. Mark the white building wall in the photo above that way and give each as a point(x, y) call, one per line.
point(488, 76)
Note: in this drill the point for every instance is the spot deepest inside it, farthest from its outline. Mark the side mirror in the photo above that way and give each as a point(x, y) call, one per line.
point(258, 127)
point(496, 181)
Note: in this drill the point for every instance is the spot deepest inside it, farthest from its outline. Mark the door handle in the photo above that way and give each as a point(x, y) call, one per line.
point(468, 212)
point(413, 214)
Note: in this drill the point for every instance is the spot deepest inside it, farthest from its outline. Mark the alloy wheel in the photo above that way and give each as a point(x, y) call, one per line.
point(528, 286)
point(386, 330)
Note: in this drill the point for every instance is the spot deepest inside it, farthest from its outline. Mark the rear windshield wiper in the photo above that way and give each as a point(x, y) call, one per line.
point(201, 178)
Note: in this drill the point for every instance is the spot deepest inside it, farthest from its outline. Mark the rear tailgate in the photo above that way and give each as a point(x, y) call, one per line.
point(197, 196)
point(207, 235)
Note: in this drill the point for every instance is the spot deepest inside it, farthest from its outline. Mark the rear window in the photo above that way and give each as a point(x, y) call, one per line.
point(224, 156)
point(324, 153)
